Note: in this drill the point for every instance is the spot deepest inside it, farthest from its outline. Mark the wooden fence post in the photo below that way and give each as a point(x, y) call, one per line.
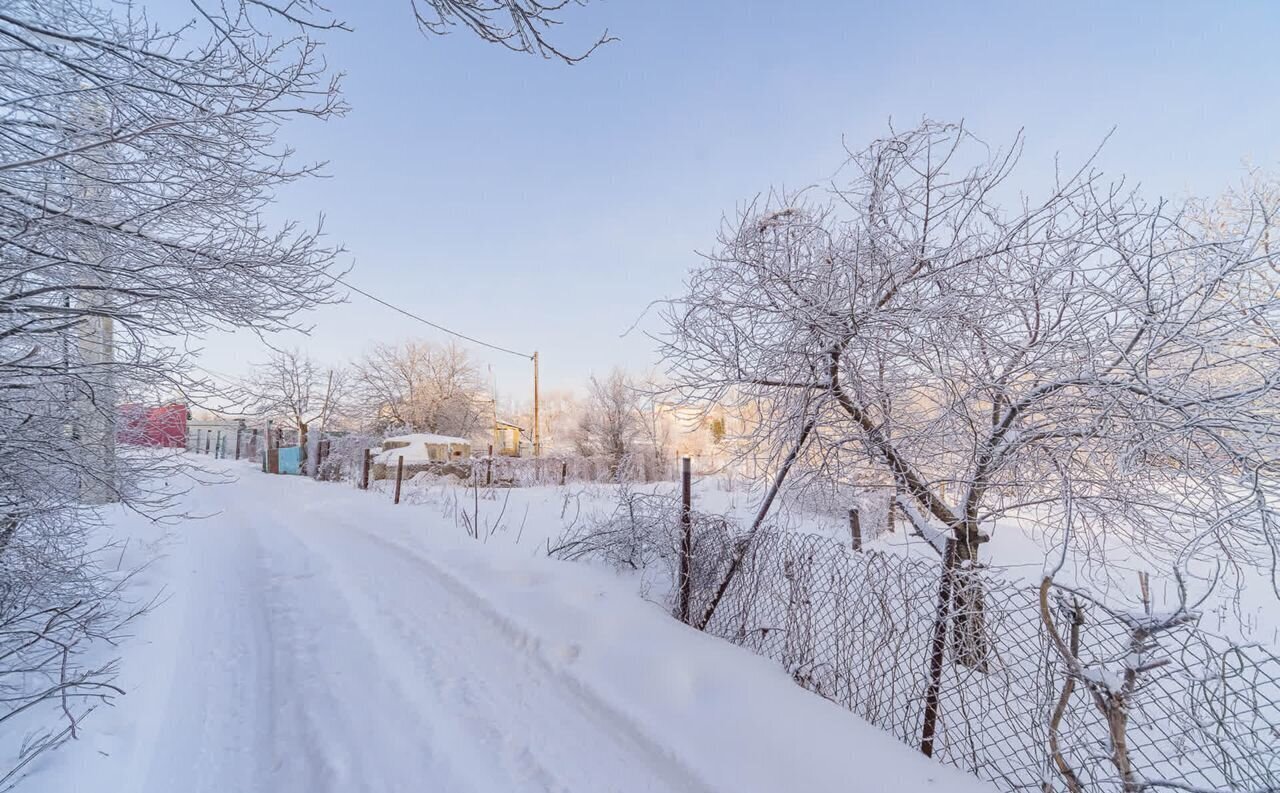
point(938, 651)
point(207, 437)
point(686, 538)
point(364, 471)
point(399, 476)
point(893, 509)
point(217, 447)
point(238, 443)
point(855, 529)
point(488, 477)
point(564, 471)
point(273, 449)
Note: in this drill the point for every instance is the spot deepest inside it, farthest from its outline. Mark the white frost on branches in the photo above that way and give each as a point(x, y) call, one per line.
point(973, 351)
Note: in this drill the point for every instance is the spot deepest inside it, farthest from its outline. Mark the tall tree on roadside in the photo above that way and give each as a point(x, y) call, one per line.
point(423, 387)
point(292, 387)
point(135, 165)
point(981, 355)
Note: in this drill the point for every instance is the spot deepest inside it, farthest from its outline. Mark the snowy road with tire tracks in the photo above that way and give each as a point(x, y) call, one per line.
point(317, 639)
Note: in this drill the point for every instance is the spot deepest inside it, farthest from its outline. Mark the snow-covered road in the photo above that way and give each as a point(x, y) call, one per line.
point(319, 639)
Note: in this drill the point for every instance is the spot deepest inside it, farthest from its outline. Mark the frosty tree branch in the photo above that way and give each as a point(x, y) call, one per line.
point(963, 348)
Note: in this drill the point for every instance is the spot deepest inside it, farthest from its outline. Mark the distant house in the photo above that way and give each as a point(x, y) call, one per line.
point(204, 433)
point(164, 426)
point(421, 451)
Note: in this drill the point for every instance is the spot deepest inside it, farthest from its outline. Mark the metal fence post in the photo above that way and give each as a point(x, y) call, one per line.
point(686, 538)
point(938, 650)
point(399, 476)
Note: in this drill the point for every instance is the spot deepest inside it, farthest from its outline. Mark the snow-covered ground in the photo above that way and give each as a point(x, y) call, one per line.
point(318, 638)
point(1242, 607)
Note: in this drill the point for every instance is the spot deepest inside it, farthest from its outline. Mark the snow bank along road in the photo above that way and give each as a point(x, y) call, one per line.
point(318, 638)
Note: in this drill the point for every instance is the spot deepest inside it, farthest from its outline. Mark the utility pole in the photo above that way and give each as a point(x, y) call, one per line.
point(537, 438)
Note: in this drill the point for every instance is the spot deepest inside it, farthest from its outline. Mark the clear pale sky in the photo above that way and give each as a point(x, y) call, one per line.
point(543, 206)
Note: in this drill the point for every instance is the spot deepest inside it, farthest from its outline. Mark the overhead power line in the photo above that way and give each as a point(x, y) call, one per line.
point(425, 321)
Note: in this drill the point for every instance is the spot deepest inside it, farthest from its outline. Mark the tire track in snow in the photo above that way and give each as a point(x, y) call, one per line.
point(538, 663)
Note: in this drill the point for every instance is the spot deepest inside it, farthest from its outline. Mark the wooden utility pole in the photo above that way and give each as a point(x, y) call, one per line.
point(537, 438)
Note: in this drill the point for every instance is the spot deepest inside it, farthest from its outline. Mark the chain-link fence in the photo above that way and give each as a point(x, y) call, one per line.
point(1144, 709)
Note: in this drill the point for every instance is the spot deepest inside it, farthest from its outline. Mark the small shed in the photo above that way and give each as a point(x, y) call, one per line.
point(422, 451)
point(507, 438)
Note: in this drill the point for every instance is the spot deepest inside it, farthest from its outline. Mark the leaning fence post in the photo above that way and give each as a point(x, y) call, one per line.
point(399, 476)
point(855, 529)
point(937, 653)
point(686, 537)
point(364, 471)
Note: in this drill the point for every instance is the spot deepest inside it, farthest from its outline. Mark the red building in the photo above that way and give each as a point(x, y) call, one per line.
point(164, 426)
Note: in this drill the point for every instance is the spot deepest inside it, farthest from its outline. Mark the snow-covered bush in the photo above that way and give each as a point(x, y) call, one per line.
point(643, 533)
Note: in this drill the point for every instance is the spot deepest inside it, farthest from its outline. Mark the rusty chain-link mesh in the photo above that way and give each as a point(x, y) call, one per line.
point(858, 629)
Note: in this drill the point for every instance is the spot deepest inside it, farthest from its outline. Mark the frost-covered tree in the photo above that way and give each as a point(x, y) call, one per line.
point(135, 163)
point(518, 25)
point(986, 351)
point(292, 387)
point(618, 422)
point(423, 387)
point(610, 422)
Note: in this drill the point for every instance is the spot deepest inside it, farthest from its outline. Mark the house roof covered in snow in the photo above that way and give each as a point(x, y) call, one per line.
point(415, 447)
point(426, 437)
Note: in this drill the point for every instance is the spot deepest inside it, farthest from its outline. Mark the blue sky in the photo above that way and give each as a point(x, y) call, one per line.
point(544, 207)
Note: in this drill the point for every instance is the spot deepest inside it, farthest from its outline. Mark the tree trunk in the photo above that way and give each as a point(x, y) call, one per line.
point(302, 447)
point(970, 642)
